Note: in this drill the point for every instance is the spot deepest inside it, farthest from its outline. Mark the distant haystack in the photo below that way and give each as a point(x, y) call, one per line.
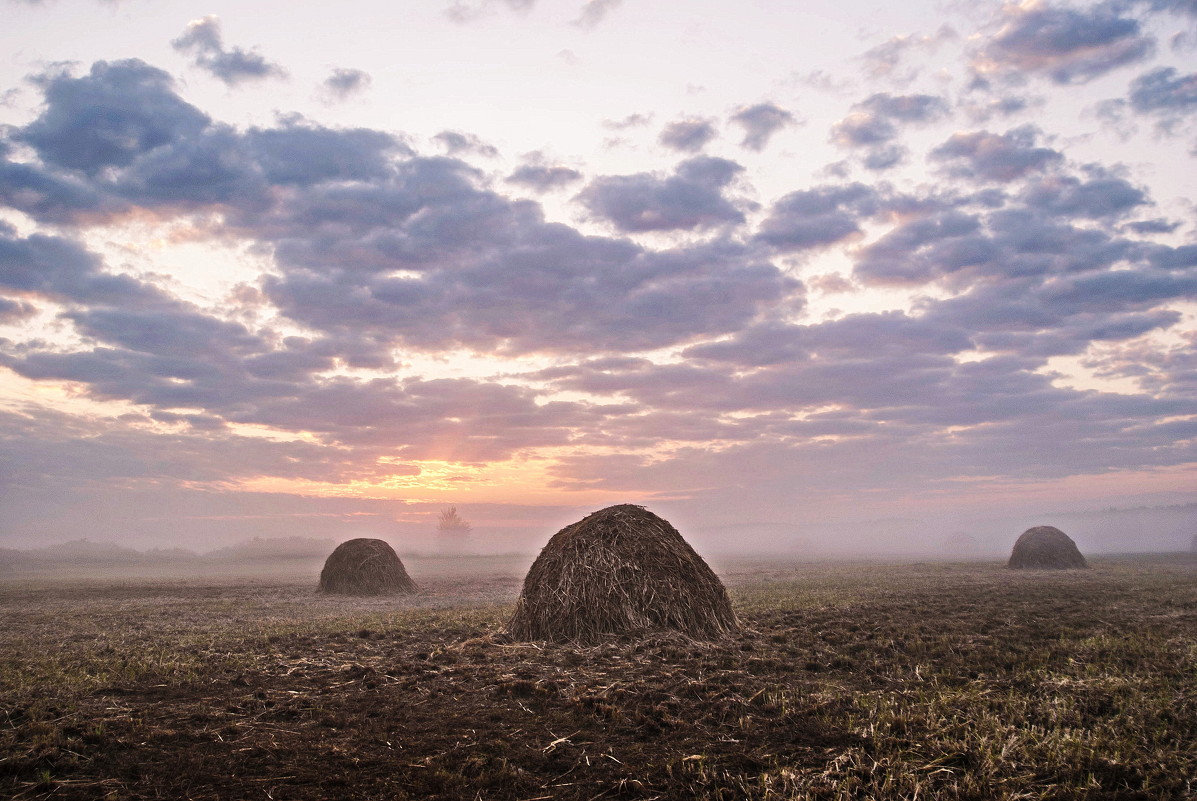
point(1046, 547)
point(365, 567)
point(620, 570)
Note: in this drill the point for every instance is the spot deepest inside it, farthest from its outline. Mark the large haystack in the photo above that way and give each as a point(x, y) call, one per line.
point(620, 570)
point(365, 567)
point(1046, 547)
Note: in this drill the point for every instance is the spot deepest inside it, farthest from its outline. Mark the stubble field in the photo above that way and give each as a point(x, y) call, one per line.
point(886, 681)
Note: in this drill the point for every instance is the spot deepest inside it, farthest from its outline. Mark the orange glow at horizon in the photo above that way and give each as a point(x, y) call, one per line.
point(516, 481)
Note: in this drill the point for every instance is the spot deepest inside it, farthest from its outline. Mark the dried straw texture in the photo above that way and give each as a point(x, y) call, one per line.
point(1046, 547)
point(365, 567)
point(621, 570)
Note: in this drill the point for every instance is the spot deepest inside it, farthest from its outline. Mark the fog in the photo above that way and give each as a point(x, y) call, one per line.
point(252, 548)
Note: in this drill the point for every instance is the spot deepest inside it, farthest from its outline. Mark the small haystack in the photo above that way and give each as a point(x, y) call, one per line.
point(620, 570)
point(365, 567)
point(1046, 547)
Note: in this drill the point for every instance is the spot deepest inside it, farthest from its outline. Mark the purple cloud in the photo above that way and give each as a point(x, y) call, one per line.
point(818, 217)
point(1098, 195)
point(543, 178)
point(203, 40)
point(874, 125)
point(109, 117)
point(692, 198)
point(760, 122)
point(595, 11)
point(688, 136)
point(995, 157)
point(344, 82)
point(458, 142)
point(1066, 45)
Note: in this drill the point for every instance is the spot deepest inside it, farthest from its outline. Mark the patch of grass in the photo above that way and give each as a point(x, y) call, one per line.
point(947, 681)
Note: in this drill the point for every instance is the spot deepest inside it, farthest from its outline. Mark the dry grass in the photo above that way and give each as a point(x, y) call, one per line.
point(619, 571)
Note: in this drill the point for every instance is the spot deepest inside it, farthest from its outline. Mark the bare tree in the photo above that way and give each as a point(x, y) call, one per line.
point(450, 523)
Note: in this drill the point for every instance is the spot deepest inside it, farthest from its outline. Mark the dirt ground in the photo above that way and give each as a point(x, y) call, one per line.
point(848, 681)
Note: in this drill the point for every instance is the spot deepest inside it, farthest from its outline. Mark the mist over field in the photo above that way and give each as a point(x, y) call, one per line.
point(1167, 530)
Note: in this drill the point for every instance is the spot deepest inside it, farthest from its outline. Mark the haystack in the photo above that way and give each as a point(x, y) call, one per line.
point(620, 570)
point(365, 567)
point(1046, 547)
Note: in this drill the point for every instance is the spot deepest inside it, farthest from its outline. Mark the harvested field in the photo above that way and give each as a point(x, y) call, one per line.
point(947, 681)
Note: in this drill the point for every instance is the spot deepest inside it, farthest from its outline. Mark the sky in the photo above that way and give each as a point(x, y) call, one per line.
point(792, 275)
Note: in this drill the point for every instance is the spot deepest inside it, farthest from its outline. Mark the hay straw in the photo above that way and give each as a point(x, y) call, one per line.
point(620, 570)
point(365, 567)
point(1046, 547)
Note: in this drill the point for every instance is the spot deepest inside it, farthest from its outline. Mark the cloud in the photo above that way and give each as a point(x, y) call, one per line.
point(692, 198)
point(1177, 258)
point(12, 311)
point(595, 11)
point(1065, 45)
point(299, 152)
point(851, 337)
point(1164, 90)
point(524, 286)
point(203, 40)
point(109, 117)
point(463, 12)
point(457, 142)
point(1158, 225)
point(996, 157)
point(874, 120)
point(345, 82)
point(873, 125)
point(760, 122)
point(50, 195)
point(414, 418)
point(688, 136)
point(963, 247)
point(1119, 290)
point(1099, 195)
point(1166, 94)
point(871, 401)
point(1002, 106)
point(61, 269)
point(540, 177)
point(884, 157)
point(635, 120)
point(213, 168)
point(818, 217)
point(883, 60)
